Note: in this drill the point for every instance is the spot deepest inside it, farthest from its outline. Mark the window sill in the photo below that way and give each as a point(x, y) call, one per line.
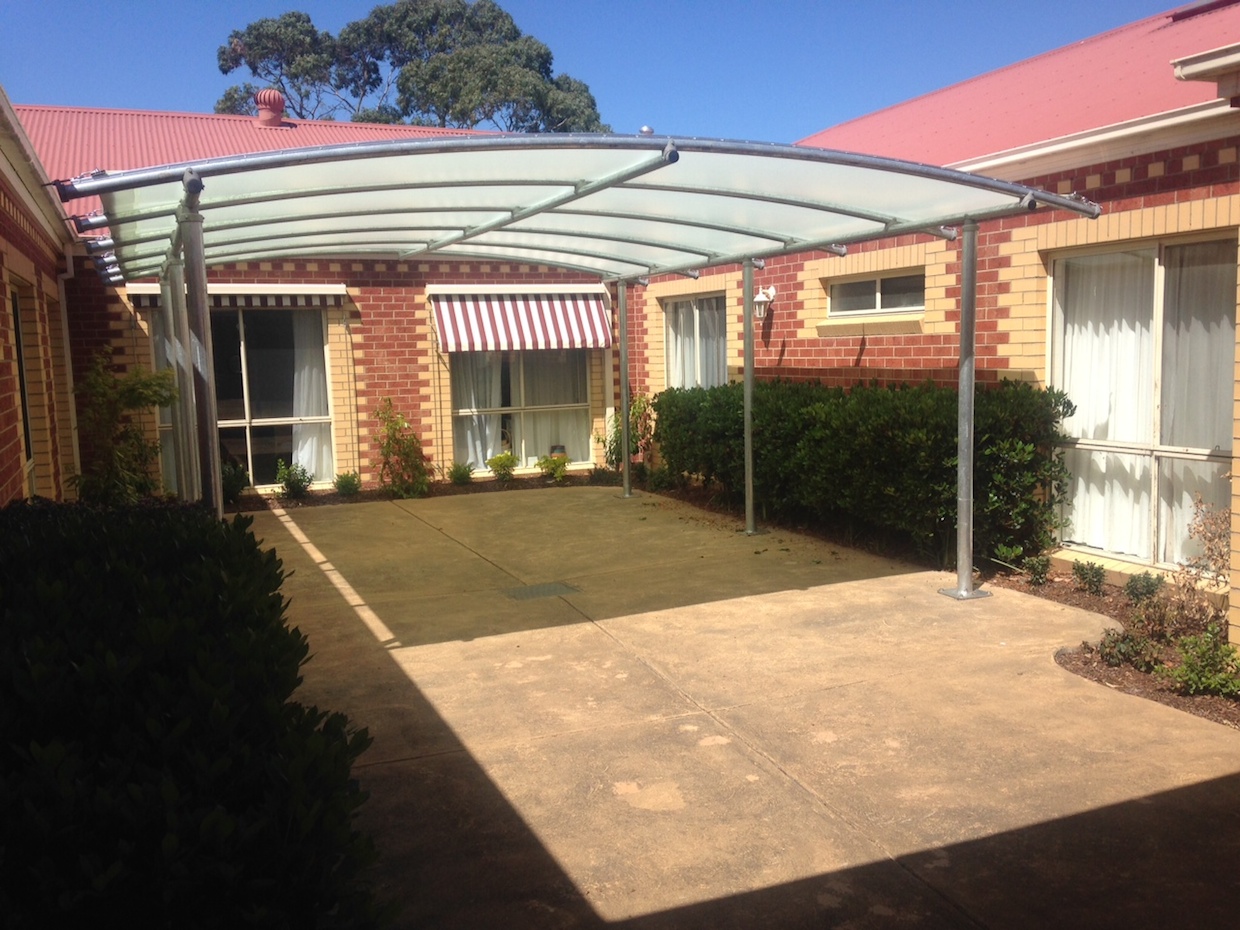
point(873, 324)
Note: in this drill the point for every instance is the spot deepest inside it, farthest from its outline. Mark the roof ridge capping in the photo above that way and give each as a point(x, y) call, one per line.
point(1188, 11)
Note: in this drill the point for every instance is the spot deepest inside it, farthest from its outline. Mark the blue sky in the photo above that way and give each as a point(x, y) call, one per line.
point(774, 71)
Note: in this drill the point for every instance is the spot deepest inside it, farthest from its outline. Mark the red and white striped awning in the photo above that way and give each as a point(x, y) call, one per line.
point(502, 322)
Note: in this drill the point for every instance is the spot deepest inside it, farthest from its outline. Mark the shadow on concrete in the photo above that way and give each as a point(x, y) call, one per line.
point(456, 854)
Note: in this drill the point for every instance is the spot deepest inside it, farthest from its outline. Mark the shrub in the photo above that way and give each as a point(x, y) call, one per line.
point(554, 467)
point(348, 484)
point(1038, 567)
point(233, 480)
point(1208, 665)
point(1119, 647)
point(1089, 577)
point(1142, 587)
point(502, 466)
point(294, 480)
point(120, 463)
point(402, 464)
point(154, 770)
point(461, 473)
point(878, 458)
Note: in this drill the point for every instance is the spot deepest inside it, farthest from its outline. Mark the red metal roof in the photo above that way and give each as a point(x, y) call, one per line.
point(72, 141)
point(1111, 78)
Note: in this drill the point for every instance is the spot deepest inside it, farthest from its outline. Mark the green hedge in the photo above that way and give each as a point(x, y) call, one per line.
point(878, 458)
point(154, 771)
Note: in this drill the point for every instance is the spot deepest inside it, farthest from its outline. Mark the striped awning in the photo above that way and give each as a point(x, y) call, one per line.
point(501, 322)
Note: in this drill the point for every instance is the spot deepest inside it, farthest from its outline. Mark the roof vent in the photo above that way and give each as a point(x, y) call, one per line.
point(270, 107)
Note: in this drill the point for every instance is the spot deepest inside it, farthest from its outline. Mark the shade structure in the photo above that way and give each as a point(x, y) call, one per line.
point(517, 322)
point(613, 206)
point(616, 207)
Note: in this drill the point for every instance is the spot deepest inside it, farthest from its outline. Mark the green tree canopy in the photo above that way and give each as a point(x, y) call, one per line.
point(450, 63)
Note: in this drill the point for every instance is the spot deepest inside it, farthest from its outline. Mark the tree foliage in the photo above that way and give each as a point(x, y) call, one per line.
point(448, 63)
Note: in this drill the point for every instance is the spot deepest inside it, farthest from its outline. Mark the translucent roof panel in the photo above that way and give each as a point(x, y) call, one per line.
point(615, 206)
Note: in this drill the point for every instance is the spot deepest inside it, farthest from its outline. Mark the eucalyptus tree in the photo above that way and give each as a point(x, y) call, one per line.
point(449, 63)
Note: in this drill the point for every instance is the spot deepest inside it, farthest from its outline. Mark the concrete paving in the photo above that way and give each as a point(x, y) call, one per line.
point(596, 712)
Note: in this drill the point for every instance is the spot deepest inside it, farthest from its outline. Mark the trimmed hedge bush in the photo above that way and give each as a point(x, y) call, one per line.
point(878, 458)
point(154, 771)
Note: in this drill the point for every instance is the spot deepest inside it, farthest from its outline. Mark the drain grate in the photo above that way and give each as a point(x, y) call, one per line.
point(531, 591)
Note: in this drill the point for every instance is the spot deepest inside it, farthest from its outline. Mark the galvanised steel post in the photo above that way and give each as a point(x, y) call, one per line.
point(197, 310)
point(964, 431)
point(747, 288)
point(622, 287)
point(176, 326)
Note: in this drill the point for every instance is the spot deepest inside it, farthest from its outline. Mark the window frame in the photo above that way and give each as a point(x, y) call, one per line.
point(878, 309)
point(248, 423)
point(1157, 452)
point(517, 359)
point(695, 301)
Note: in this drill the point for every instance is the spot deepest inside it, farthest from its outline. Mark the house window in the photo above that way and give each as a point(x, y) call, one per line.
point(529, 403)
point(894, 293)
point(1144, 345)
point(271, 390)
point(697, 336)
point(27, 444)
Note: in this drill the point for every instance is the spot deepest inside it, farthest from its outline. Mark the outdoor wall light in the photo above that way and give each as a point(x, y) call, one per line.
point(761, 300)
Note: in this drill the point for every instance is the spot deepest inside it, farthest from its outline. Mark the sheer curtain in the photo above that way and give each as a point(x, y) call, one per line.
point(311, 441)
point(712, 343)
point(1104, 308)
point(680, 345)
point(477, 386)
point(555, 379)
point(1199, 342)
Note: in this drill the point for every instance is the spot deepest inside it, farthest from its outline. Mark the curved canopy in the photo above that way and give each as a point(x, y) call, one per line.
point(618, 207)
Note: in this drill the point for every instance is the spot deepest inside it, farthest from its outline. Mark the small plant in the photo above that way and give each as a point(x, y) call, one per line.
point(1120, 647)
point(233, 480)
point(1038, 567)
point(641, 433)
point(402, 463)
point(1089, 577)
point(1142, 587)
point(554, 467)
point(120, 464)
point(348, 484)
point(1208, 665)
point(461, 473)
point(663, 479)
point(1008, 556)
point(294, 480)
point(502, 466)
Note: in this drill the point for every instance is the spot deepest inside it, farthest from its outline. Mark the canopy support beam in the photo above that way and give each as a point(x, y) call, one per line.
point(176, 327)
point(623, 411)
point(964, 420)
point(189, 230)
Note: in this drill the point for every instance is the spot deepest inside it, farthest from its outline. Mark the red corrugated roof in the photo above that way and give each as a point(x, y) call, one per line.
point(1114, 77)
point(71, 141)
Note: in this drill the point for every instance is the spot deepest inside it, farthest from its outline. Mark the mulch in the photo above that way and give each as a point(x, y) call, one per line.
point(1080, 660)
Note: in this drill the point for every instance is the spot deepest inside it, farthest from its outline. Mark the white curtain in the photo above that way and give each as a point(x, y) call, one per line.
point(1106, 307)
point(555, 379)
point(311, 441)
point(681, 371)
point(1105, 342)
point(1109, 501)
point(1180, 481)
point(712, 343)
point(477, 386)
point(1199, 341)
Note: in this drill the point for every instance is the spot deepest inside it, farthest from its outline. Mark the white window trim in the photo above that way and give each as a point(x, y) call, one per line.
point(877, 311)
point(248, 422)
point(696, 300)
